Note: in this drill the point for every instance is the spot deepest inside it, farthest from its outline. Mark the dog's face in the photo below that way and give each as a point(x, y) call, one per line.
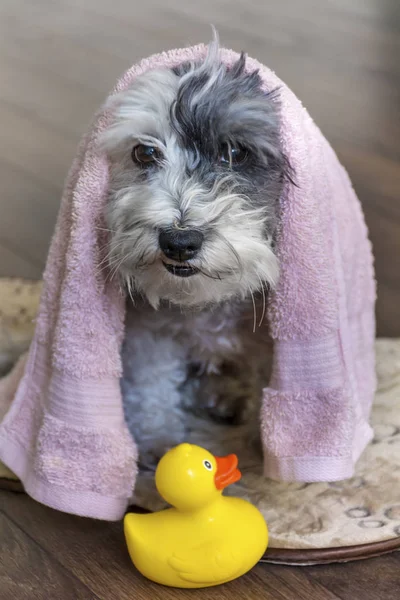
point(195, 178)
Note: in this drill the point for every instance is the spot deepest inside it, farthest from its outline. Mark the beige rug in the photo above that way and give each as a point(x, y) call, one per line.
point(301, 517)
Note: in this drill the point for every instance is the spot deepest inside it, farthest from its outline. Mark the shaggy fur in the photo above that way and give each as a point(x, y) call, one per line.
point(215, 172)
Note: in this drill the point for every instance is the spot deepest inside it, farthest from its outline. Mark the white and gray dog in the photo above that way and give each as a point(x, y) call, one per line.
point(195, 178)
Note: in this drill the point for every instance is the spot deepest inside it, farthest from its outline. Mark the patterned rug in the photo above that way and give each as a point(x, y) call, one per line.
point(308, 523)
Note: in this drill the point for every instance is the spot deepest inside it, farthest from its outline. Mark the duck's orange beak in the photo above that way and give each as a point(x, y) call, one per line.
point(227, 471)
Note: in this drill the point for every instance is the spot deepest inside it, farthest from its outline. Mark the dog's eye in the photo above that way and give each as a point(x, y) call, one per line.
point(232, 155)
point(145, 155)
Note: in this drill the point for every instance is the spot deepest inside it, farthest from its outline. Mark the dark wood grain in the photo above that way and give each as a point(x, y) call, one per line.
point(27, 572)
point(374, 579)
point(95, 553)
point(293, 583)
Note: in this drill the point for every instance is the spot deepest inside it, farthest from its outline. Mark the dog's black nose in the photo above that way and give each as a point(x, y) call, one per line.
point(180, 244)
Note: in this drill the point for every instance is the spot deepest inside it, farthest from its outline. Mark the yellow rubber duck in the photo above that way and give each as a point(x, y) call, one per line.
point(206, 539)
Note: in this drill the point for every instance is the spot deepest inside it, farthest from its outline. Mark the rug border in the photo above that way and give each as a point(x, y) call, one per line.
point(321, 556)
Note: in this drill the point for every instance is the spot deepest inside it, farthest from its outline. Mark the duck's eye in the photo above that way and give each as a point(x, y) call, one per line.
point(232, 155)
point(207, 465)
point(145, 155)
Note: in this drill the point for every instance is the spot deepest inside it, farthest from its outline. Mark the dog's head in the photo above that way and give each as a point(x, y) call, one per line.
point(195, 178)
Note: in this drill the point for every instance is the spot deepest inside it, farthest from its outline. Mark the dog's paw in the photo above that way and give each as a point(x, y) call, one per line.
point(226, 397)
point(223, 408)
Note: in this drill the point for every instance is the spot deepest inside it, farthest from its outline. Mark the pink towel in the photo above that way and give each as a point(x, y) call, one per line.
point(64, 434)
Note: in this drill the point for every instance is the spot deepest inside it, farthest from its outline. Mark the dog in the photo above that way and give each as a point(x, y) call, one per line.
point(196, 173)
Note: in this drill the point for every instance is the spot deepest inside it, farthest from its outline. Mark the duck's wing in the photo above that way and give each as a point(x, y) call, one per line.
point(211, 562)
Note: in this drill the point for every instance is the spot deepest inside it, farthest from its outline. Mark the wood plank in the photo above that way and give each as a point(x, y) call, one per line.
point(373, 579)
point(28, 218)
point(27, 572)
point(295, 582)
point(34, 147)
point(12, 265)
point(49, 99)
point(95, 553)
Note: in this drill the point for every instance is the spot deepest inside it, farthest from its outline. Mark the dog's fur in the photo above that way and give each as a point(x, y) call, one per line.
point(196, 341)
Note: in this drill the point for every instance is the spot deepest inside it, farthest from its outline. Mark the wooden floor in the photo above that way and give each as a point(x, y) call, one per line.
point(58, 59)
point(46, 555)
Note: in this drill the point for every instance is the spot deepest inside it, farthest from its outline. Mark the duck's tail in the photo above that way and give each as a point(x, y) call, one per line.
point(133, 533)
